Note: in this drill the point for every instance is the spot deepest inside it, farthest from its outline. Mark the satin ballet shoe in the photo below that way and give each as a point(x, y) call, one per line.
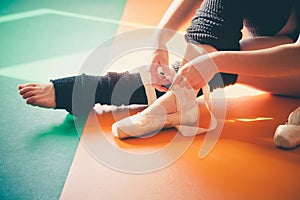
point(144, 123)
point(185, 120)
point(141, 124)
point(288, 136)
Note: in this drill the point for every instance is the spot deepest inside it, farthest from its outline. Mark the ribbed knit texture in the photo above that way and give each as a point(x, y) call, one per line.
point(83, 91)
point(217, 23)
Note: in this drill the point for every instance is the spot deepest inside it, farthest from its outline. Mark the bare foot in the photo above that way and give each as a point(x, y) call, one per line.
point(42, 95)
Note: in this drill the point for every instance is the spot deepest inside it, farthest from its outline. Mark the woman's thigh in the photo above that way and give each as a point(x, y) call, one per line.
point(285, 85)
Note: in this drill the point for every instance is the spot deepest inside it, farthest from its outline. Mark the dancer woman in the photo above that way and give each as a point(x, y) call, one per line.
point(267, 61)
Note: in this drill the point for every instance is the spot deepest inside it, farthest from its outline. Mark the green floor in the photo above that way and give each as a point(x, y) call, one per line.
point(37, 145)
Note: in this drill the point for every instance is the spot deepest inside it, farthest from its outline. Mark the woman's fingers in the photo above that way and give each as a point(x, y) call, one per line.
point(189, 77)
point(160, 88)
point(159, 69)
point(161, 75)
point(157, 82)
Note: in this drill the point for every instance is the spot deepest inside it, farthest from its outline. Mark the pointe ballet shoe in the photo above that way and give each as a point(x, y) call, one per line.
point(288, 136)
point(185, 120)
point(142, 124)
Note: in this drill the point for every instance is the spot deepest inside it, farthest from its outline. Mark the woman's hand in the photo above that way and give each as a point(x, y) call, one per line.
point(196, 73)
point(160, 72)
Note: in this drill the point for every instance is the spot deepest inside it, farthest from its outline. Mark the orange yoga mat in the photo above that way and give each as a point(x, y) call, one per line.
point(244, 164)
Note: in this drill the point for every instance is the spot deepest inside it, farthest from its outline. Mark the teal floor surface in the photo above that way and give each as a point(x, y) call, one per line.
point(37, 145)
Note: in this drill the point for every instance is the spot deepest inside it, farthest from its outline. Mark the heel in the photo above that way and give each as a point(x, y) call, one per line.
point(190, 131)
point(193, 130)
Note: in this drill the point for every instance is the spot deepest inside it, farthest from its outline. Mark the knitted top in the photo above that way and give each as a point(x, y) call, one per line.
point(219, 22)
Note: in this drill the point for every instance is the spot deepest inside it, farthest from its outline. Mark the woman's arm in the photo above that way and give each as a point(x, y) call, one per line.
point(282, 60)
point(178, 14)
point(277, 61)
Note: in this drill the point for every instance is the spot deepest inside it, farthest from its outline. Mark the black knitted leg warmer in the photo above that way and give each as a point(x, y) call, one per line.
point(78, 94)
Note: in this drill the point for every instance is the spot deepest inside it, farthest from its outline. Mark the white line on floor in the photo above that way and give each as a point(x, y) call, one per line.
point(44, 11)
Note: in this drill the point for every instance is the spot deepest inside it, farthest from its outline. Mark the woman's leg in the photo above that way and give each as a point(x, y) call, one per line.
point(289, 86)
point(59, 93)
point(111, 89)
point(280, 85)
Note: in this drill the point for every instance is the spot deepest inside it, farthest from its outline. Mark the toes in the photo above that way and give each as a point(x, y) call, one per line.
point(28, 94)
point(21, 86)
point(27, 89)
point(31, 101)
point(38, 94)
